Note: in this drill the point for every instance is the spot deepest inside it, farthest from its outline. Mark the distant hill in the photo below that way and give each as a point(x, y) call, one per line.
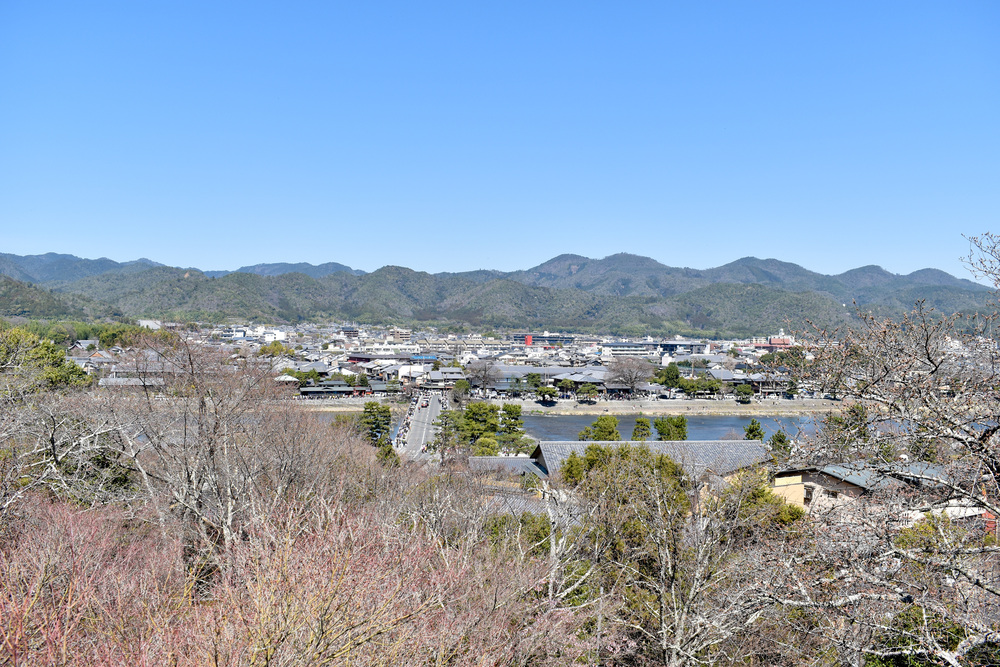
point(313, 271)
point(632, 275)
point(52, 267)
point(621, 275)
point(622, 293)
point(11, 269)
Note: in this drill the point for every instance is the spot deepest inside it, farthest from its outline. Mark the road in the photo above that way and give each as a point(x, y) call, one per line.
point(421, 429)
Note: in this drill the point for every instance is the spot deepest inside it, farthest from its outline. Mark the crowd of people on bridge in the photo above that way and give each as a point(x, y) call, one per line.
point(404, 425)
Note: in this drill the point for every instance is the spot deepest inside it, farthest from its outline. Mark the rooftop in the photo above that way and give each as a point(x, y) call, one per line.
point(697, 457)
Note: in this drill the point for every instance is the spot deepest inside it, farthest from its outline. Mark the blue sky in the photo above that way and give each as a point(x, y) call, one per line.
point(458, 136)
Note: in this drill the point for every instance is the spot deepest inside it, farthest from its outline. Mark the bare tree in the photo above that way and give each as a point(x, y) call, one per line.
point(875, 588)
point(335, 584)
point(629, 371)
point(300, 532)
point(17, 382)
point(912, 571)
point(216, 445)
point(679, 559)
point(46, 435)
point(483, 373)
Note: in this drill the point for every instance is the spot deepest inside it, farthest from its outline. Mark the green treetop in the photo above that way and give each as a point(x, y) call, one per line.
point(641, 431)
point(671, 428)
point(376, 422)
point(669, 376)
point(479, 419)
point(605, 428)
point(486, 446)
point(587, 392)
point(42, 362)
point(754, 431)
point(547, 394)
point(780, 445)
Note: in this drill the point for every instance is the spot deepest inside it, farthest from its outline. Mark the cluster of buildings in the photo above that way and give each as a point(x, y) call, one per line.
point(826, 490)
point(389, 359)
point(430, 360)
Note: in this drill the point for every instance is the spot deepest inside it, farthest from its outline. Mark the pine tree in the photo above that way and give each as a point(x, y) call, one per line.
point(642, 430)
point(754, 431)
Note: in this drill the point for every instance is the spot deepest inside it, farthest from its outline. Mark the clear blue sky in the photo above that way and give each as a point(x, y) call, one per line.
point(465, 135)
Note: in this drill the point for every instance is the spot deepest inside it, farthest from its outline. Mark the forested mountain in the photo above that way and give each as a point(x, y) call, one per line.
point(622, 293)
point(21, 299)
point(628, 275)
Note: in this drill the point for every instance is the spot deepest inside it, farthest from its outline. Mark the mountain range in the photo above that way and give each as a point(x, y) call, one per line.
point(623, 293)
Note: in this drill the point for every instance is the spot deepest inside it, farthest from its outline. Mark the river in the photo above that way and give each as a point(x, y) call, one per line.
point(700, 427)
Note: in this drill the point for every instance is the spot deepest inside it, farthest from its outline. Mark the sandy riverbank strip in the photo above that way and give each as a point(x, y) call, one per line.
point(682, 406)
point(675, 406)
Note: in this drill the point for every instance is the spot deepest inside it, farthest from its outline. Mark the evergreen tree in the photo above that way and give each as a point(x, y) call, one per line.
point(446, 435)
point(479, 419)
point(780, 445)
point(510, 435)
point(461, 390)
point(572, 469)
point(547, 394)
point(641, 431)
point(669, 376)
point(671, 428)
point(510, 420)
point(387, 456)
point(486, 446)
point(605, 428)
point(376, 422)
point(754, 431)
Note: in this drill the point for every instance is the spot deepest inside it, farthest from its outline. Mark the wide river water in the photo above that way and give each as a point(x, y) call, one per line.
point(700, 427)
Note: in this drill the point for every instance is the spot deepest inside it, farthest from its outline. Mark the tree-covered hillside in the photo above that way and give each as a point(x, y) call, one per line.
point(622, 293)
point(19, 299)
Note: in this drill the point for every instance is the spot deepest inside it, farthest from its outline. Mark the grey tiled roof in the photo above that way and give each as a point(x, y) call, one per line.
point(564, 513)
point(721, 457)
point(517, 465)
point(887, 478)
point(130, 382)
point(514, 504)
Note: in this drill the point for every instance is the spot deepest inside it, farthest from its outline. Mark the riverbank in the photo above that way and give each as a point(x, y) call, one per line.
point(682, 406)
point(350, 405)
point(782, 407)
